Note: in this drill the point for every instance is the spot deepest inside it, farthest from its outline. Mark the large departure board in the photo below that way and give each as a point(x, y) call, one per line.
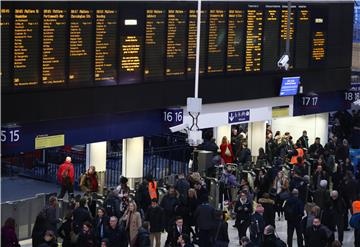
point(284, 34)
point(216, 41)
point(130, 59)
point(105, 45)
point(254, 31)
point(302, 46)
point(191, 56)
point(26, 47)
point(235, 40)
point(5, 42)
point(155, 44)
point(54, 46)
point(318, 38)
point(271, 37)
point(81, 32)
point(176, 43)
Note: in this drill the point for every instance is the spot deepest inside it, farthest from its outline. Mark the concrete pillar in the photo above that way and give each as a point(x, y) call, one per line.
point(96, 156)
point(133, 160)
point(256, 137)
point(220, 132)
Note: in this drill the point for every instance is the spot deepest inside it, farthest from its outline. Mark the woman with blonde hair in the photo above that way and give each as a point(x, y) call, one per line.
point(133, 222)
point(226, 151)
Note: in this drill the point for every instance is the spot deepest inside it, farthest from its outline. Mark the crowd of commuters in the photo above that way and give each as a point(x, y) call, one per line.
point(314, 188)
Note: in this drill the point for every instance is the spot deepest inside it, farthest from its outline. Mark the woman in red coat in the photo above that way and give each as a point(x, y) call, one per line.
point(226, 151)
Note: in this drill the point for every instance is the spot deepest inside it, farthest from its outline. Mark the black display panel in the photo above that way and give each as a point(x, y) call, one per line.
point(235, 40)
point(271, 37)
point(105, 45)
point(54, 46)
point(130, 59)
point(283, 34)
point(216, 41)
point(302, 46)
point(254, 33)
point(191, 55)
point(176, 43)
point(26, 47)
point(155, 44)
point(318, 37)
point(81, 46)
point(5, 42)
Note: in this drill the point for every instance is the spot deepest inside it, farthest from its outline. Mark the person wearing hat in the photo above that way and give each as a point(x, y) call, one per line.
point(294, 211)
point(257, 226)
point(49, 239)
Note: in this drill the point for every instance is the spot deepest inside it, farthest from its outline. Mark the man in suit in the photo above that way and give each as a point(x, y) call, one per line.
point(177, 230)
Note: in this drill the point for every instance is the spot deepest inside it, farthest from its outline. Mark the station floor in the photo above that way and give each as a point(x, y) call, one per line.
point(23, 187)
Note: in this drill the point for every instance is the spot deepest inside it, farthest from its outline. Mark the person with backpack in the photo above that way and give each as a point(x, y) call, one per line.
point(294, 211)
point(228, 181)
point(257, 226)
point(66, 177)
point(89, 180)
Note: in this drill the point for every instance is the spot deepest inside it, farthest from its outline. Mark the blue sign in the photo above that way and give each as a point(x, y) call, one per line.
point(173, 117)
point(238, 116)
point(289, 86)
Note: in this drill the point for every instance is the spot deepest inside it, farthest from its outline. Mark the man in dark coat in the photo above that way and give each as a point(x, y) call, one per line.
point(116, 234)
point(316, 235)
point(243, 210)
point(182, 186)
point(205, 218)
point(155, 215)
point(257, 226)
point(303, 140)
point(294, 210)
point(337, 210)
point(177, 230)
point(316, 149)
point(269, 209)
point(81, 215)
point(143, 237)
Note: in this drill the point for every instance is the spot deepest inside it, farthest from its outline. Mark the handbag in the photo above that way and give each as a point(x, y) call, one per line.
point(227, 152)
point(219, 243)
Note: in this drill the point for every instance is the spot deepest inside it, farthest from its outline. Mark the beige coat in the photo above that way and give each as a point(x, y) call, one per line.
point(133, 224)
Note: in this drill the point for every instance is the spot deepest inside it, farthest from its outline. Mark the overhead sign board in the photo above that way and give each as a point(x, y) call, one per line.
point(238, 116)
point(289, 86)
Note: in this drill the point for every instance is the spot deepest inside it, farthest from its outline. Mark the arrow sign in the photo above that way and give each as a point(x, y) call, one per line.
point(238, 116)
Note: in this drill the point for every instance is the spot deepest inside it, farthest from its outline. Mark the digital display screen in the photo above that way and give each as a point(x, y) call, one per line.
point(284, 34)
point(302, 45)
point(5, 42)
point(271, 37)
point(235, 40)
point(254, 33)
point(289, 86)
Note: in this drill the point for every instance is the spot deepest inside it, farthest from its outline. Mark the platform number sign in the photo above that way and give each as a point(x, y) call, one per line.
point(10, 135)
point(173, 116)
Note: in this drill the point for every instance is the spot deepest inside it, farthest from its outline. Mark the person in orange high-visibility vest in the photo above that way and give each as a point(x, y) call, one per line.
point(299, 153)
point(152, 187)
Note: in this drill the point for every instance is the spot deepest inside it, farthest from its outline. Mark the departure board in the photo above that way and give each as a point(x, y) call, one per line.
point(254, 31)
point(130, 59)
point(54, 46)
point(154, 44)
point(176, 43)
point(81, 32)
point(302, 45)
point(283, 34)
point(318, 40)
point(191, 56)
point(105, 45)
point(5, 42)
point(235, 40)
point(271, 37)
point(26, 47)
point(216, 41)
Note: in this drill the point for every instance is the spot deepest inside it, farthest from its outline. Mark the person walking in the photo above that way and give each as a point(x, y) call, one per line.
point(316, 235)
point(220, 231)
point(243, 210)
point(81, 215)
point(66, 178)
point(8, 234)
point(227, 153)
point(257, 226)
point(155, 216)
point(205, 217)
point(337, 210)
point(132, 220)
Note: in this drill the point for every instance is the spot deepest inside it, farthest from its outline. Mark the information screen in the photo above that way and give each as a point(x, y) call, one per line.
point(302, 46)
point(283, 34)
point(176, 43)
point(271, 37)
point(235, 40)
point(191, 56)
point(318, 38)
point(155, 44)
point(216, 41)
point(130, 58)
point(81, 32)
point(5, 42)
point(54, 46)
point(105, 45)
point(26, 47)
point(254, 32)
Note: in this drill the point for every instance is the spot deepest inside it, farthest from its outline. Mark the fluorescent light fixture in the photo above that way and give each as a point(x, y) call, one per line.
point(130, 22)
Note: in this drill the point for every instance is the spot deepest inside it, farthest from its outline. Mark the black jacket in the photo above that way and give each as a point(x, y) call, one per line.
point(155, 215)
point(117, 237)
point(143, 238)
point(182, 186)
point(293, 209)
point(316, 237)
point(220, 232)
point(86, 239)
point(100, 224)
point(205, 216)
point(81, 214)
point(51, 219)
point(257, 227)
point(269, 211)
point(243, 212)
point(174, 234)
point(64, 233)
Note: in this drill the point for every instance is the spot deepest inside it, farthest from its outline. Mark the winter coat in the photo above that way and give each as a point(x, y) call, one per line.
point(269, 210)
point(133, 223)
point(143, 238)
point(8, 237)
point(86, 239)
point(182, 186)
point(316, 237)
point(155, 215)
point(100, 224)
point(117, 237)
point(243, 212)
point(168, 203)
point(71, 173)
point(293, 209)
point(227, 159)
point(220, 231)
point(205, 216)
point(81, 214)
point(257, 227)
